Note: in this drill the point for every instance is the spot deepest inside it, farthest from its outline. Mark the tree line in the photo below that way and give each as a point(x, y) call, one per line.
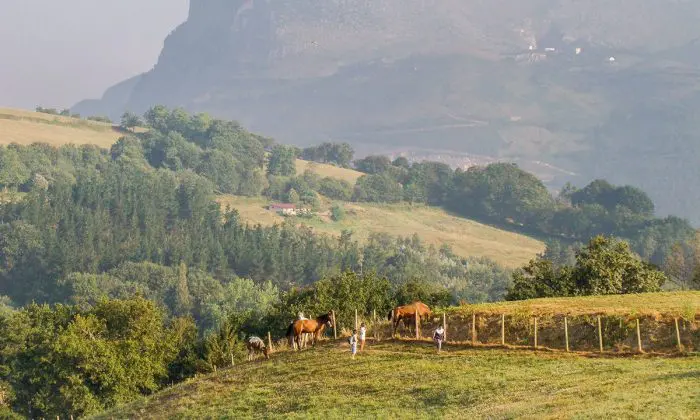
point(507, 196)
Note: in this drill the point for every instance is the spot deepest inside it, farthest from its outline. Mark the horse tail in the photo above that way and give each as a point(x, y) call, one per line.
point(391, 312)
point(289, 329)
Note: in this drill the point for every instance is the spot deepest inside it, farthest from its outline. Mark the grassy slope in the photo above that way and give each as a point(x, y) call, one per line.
point(401, 380)
point(25, 127)
point(331, 171)
point(645, 304)
point(435, 226)
point(467, 238)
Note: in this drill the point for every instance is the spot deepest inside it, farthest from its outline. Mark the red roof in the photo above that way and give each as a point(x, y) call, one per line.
point(283, 206)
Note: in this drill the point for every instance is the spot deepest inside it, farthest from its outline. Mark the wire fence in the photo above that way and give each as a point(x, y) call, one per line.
point(575, 333)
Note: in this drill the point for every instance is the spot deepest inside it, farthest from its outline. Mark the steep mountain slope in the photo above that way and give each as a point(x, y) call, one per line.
point(453, 75)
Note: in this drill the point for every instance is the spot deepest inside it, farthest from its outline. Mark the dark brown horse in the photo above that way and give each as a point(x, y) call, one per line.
point(407, 313)
point(298, 328)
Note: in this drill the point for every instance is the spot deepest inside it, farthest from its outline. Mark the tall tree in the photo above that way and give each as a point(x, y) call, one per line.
point(282, 161)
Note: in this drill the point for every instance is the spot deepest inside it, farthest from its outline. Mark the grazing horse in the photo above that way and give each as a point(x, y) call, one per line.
point(408, 313)
point(298, 328)
point(256, 345)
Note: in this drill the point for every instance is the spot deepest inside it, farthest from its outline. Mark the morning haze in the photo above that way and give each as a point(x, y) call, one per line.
point(56, 53)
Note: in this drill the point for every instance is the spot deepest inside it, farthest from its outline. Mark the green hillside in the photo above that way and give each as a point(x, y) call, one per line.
point(397, 379)
point(401, 380)
point(435, 226)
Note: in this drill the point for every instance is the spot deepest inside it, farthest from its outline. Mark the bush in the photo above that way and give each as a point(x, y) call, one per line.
point(336, 189)
point(337, 213)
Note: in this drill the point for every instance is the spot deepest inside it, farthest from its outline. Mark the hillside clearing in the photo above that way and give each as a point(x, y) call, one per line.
point(433, 225)
point(397, 380)
point(25, 127)
point(330, 171)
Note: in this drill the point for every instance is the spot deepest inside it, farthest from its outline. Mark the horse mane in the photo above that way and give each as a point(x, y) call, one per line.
point(323, 318)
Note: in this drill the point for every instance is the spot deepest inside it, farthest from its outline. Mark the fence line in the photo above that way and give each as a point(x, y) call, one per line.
point(543, 333)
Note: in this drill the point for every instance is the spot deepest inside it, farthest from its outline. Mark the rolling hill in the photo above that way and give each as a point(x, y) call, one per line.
point(396, 379)
point(435, 226)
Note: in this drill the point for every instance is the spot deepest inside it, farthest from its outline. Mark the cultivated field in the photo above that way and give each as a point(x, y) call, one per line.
point(433, 225)
point(26, 127)
point(402, 380)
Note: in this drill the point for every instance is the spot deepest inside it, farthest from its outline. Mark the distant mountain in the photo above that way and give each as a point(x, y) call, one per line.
point(590, 87)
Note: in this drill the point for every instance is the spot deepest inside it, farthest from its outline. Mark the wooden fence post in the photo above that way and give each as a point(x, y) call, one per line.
point(393, 324)
point(503, 329)
point(444, 325)
point(417, 324)
point(535, 333)
point(473, 328)
point(600, 334)
point(566, 333)
point(678, 336)
point(335, 329)
point(639, 338)
point(374, 315)
point(356, 325)
point(269, 341)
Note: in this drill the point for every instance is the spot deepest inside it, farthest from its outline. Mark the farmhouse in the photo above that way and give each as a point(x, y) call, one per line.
point(287, 209)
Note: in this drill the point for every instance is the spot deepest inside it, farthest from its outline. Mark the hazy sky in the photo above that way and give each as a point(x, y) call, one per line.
point(56, 52)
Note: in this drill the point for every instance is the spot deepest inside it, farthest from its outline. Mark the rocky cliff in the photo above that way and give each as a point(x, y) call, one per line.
point(501, 78)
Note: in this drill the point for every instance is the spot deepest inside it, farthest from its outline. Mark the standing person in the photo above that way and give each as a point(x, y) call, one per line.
point(353, 343)
point(439, 337)
point(363, 336)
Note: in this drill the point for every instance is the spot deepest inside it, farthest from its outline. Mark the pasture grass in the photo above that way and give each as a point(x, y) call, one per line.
point(433, 225)
point(394, 379)
point(26, 127)
point(680, 304)
point(330, 171)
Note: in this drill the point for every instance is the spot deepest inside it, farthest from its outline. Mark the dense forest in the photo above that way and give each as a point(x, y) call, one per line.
point(120, 273)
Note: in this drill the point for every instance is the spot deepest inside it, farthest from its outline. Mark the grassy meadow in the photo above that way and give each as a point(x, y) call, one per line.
point(432, 224)
point(331, 171)
point(394, 379)
point(27, 127)
point(680, 304)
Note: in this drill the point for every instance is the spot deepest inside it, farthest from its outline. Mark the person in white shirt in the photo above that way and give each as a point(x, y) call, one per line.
point(439, 337)
point(363, 336)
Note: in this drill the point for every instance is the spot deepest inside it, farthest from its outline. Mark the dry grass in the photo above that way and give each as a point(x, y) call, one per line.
point(433, 225)
point(682, 304)
point(402, 380)
point(25, 127)
point(331, 171)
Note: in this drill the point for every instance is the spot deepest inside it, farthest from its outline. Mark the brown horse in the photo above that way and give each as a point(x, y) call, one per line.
point(298, 328)
point(407, 313)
